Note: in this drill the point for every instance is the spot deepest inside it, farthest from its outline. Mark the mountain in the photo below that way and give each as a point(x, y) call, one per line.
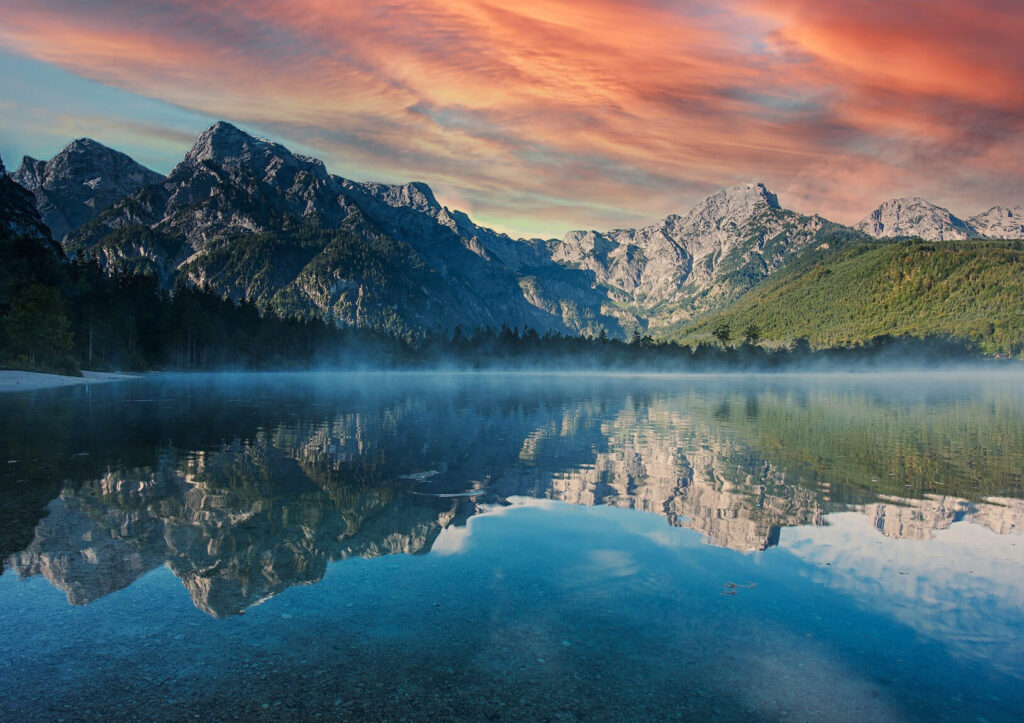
point(510, 281)
point(683, 266)
point(28, 255)
point(915, 217)
point(970, 289)
point(254, 221)
point(918, 218)
point(79, 182)
point(1000, 222)
point(18, 214)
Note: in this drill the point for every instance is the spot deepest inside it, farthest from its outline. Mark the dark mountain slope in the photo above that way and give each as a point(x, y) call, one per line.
point(74, 186)
point(256, 222)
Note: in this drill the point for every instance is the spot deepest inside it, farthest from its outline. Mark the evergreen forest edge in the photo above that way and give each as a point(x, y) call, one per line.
point(61, 315)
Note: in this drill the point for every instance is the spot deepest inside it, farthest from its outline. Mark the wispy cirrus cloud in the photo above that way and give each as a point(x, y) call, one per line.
point(542, 115)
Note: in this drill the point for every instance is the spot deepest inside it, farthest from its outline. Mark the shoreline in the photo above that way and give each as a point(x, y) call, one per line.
point(14, 381)
point(20, 381)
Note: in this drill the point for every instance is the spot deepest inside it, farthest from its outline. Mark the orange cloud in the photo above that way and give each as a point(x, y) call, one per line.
point(965, 50)
point(547, 114)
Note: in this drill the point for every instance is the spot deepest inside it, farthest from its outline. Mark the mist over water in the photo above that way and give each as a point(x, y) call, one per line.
point(515, 545)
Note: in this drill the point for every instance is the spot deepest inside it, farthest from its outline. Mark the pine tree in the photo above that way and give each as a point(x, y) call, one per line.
point(38, 329)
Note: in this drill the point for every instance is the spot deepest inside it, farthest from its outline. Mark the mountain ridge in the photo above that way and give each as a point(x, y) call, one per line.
point(1000, 222)
point(254, 221)
point(913, 216)
point(232, 184)
point(685, 265)
point(984, 222)
point(364, 254)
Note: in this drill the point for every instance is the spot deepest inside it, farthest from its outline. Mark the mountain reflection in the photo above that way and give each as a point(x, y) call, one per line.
point(236, 527)
point(243, 520)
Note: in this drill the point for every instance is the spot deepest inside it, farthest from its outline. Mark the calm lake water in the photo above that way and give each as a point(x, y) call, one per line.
point(414, 546)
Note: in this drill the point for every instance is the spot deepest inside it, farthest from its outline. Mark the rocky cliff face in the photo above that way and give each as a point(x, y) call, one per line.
point(257, 222)
point(252, 219)
point(18, 214)
point(684, 265)
point(1000, 222)
point(918, 218)
point(78, 183)
point(915, 217)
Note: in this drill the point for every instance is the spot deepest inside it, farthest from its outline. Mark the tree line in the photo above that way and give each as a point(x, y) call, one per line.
point(59, 315)
point(527, 348)
point(63, 315)
point(964, 289)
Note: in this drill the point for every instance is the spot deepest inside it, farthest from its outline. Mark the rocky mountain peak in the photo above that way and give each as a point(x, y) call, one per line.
point(30, 173)
point(714, 225)
point(83, 157)
point(736, 203)
point(910, 202)
point(684, 265)
point(86, 145)
point(421, 192)
point(751, 193)
point(1000, 222)
point(416, 194)
point(915, 216)
point(83, 179)
point(236, 151)
point(220, 141)
point(3, 171)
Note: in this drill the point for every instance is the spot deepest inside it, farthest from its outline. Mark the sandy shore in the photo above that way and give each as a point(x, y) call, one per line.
point(14, 381)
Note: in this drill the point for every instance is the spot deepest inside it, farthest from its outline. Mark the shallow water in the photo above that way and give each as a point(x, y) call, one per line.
point(411, 546)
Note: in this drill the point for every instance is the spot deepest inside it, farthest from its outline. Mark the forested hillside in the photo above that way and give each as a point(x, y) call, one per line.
point(967, 289)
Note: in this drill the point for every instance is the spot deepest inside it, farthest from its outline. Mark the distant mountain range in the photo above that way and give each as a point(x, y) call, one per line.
point(916, 217)
point(254, 221)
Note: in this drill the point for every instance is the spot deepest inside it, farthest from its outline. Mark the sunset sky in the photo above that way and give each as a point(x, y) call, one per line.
point(541, 116)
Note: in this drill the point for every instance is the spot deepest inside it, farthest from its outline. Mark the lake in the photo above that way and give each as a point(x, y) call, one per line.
point(514, 546)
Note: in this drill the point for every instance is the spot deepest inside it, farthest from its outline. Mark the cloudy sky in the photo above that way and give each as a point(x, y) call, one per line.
point(541, 116)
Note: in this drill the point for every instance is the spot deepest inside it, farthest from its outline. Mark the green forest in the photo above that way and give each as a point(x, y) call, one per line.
point(59, 315)
point(970, 290)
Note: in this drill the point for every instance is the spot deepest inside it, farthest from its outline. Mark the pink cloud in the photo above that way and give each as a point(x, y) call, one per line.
point(543, 115)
